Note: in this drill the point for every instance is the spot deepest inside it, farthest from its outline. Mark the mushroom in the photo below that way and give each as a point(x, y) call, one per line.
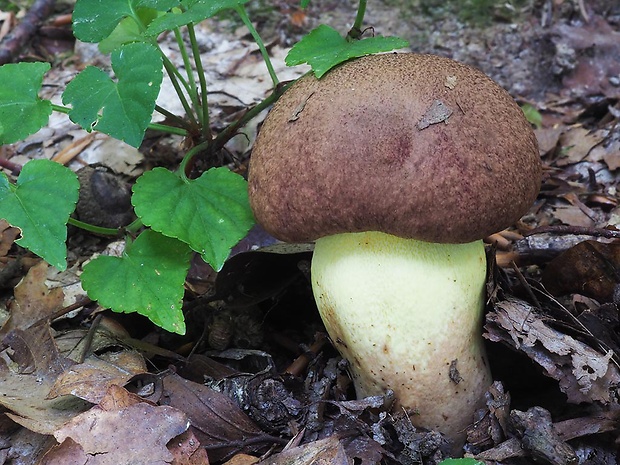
point(398, 165)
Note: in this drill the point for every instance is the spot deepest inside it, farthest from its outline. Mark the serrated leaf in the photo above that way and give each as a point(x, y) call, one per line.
point(40, 205)
point(22, 112)
point(127, 31)
point(120, 109)
point(194, 12)
point(323, 48)
point(211, 213)
point(147, 279)
point(94, 20)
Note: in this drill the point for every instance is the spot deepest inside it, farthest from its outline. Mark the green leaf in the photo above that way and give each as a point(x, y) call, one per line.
point(305, 3)
point(532, 115)
point(40, 205)
point(122, 110)
point(323, 48)
point(127, 31)
point(464, 461)
point(22, 112)
point(94, 20)
point(194, 12)
point(211, 213)
point(147, 279)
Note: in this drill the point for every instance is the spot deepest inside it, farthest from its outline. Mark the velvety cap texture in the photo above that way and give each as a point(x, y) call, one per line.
point(416, 146)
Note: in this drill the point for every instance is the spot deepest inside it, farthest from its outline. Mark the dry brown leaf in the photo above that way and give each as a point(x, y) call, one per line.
point(242, 459)
point(187, 450)
point(90, 380)
point(25, 396)
point(34, 302)
point(587, 268)
point(328, 451)
point(217, 421)
point(35, 359)
point(577, 143)
point(548, 138)
point(8, 235)
point(583, 374)
point(572, 215)
point(121, 430)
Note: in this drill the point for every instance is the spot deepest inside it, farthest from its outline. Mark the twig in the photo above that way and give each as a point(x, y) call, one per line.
point(19, 36)
point(576, 230)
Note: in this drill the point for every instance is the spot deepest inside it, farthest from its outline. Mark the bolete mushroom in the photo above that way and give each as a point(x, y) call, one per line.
point(398, 165)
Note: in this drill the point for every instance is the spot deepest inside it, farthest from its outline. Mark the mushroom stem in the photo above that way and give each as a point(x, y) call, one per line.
point(407, 316)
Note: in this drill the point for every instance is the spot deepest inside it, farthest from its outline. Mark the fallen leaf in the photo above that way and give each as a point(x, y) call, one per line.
point(216, 420)
point(90, 380)
point(25, 384)
point(121, 430)
point(583, 374)
point(576, 143)
point(328, 451)
point(8, 234)
point(590, 268)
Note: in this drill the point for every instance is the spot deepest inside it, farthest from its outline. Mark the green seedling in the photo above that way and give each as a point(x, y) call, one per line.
point(176, 214)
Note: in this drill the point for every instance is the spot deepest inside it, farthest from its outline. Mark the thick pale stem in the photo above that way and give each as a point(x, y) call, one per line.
point(407, 316)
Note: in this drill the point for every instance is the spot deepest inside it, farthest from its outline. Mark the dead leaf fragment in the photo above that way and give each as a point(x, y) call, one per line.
point(584, 374)
point(540, 438)
point(215, 418)
point(576, 143)
point(438, 112)
point(329, 451)
point(590, 268)
point(8, 234)
point(121, 430)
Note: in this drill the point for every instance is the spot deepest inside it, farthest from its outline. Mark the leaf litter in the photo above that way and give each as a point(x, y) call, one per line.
point(285, 397)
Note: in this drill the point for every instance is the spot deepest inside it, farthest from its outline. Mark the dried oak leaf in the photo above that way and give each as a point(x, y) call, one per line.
point(122, 429)
point(583, 374)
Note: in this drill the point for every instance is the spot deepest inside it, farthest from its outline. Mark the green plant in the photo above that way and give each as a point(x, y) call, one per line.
point(177, 214)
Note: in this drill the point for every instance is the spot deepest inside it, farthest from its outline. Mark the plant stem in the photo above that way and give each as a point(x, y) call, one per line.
point(94, 229)
point(182, 170)
point(175, 77)
point(191, 90)
point(171, 116)
point(134, 226)
point(168, 129)
point(61, 109)
point(263, 50)
point(356, 30)
point(206, 126)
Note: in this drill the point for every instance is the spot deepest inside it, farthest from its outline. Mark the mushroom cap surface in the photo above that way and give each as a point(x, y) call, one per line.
point(417, 146)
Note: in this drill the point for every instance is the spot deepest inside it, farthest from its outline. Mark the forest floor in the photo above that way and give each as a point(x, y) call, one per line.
point(255, 372)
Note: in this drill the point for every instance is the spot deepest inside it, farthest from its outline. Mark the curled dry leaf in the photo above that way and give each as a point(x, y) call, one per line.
point(583, 374)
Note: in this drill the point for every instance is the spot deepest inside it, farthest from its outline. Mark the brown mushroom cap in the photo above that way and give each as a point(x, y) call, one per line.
point(416, 146)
